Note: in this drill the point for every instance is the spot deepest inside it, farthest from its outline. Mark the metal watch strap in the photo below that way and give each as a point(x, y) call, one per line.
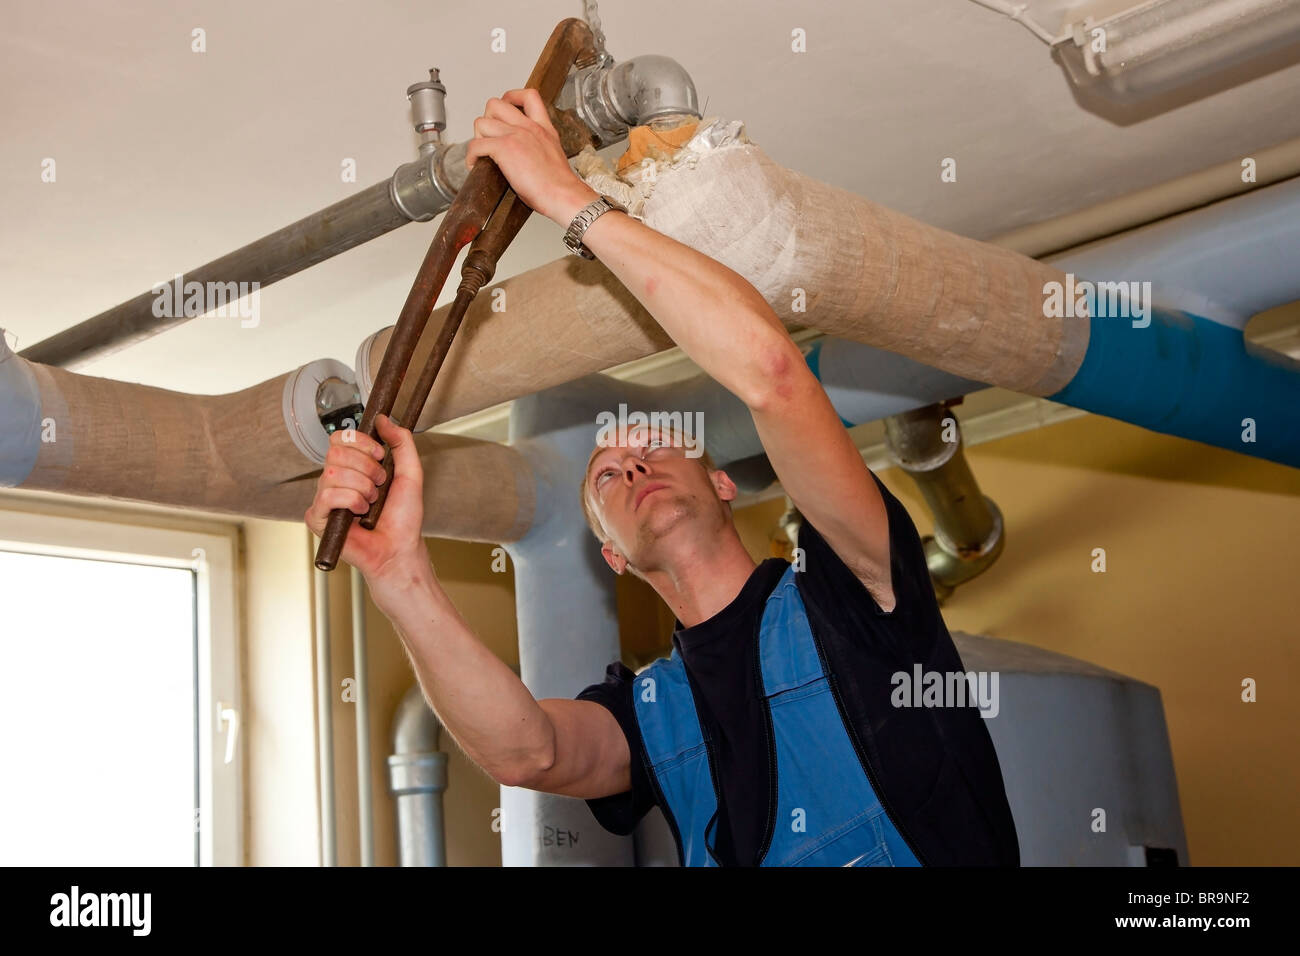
point(588, 215)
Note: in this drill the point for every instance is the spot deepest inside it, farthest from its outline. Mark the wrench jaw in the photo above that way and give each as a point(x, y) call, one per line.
point(487, 213)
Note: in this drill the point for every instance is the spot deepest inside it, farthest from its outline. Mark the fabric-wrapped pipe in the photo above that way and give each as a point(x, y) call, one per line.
point(234, 454)
point(822, 257)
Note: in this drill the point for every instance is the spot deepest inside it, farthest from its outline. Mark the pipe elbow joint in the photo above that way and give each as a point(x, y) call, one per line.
point(610, 99)
point(647, 87)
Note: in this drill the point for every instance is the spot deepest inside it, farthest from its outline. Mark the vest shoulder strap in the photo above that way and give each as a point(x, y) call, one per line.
point(789, 654)
point(665, 710)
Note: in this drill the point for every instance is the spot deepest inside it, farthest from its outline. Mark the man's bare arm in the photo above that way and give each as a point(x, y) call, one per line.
point(592, 758)
point(480, 700)
point(728, 329)
point(571, 747)
point(711, 311)
point(717, 317)
point(722, 323)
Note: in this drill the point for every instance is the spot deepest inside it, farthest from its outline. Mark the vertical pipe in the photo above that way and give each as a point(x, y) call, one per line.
point(198, 699)
point(567, 614)
point(324, 719)
point(417, 777)
point(366, 818)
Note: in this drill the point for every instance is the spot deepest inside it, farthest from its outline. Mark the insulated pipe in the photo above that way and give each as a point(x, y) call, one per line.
point(1185, 368)
point(866, 384)
point(567, 616)
point(21, 423)
point(606, 99)
point(1192, 377)
point(863, 383)
point(830, 260)
point(256, 452)
point(1272, 165)
point(1225, 262)
point(417, 777)
point(822, 257)
point(834, 261)
point(121, 432)
point(108, 439)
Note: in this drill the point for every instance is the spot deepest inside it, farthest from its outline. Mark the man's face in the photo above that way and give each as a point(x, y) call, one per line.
point(645, 488)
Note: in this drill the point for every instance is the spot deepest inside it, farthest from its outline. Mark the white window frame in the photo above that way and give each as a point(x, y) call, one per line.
point(212, 556)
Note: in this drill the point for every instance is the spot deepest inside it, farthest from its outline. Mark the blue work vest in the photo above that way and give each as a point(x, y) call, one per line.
point(827, 812)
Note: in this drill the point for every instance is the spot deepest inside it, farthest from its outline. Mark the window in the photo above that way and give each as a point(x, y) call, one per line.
point(120, 718)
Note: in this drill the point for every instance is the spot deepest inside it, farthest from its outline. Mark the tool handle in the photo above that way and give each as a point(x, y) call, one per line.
point(570, 42)
point(423, 386)
point(371, 517)
point(339, 521)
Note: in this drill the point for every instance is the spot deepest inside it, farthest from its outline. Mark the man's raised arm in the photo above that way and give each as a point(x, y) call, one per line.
point(711, 311)
point(724, 325)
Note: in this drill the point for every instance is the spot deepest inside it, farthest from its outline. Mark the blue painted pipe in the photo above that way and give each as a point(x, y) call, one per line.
point(813, 358)
point(1182, 375)
point(1191, 377)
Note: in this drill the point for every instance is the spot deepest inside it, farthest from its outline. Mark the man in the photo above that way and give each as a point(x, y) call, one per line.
point(769, 736)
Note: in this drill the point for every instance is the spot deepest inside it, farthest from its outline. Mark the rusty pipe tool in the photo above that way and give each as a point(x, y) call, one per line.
point(488, 213)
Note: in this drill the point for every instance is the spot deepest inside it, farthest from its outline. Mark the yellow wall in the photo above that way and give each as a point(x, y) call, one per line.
point(1202, 548)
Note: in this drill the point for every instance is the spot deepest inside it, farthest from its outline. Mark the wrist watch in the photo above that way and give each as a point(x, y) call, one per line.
point(573, 238)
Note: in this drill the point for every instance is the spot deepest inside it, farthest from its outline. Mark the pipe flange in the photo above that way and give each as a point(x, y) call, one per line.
point(298, 406)
point(449, 170)
point(417, 773)
point(414, 188)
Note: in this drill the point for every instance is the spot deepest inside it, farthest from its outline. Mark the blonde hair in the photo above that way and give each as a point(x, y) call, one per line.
point(589, 513)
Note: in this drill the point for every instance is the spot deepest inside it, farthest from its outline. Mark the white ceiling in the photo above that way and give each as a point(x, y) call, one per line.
point(168, 158)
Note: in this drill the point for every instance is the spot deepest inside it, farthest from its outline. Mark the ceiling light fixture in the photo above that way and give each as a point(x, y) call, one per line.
point(1159, 45)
